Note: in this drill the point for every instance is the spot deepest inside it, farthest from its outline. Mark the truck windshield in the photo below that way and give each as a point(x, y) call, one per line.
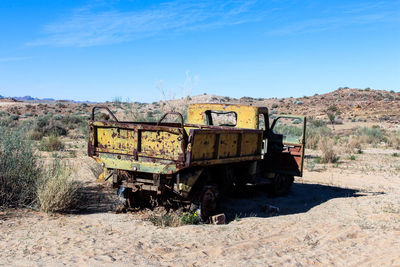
point(221, 118)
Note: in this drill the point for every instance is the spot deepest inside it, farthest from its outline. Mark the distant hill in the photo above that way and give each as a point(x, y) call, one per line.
point(29, 98)
point(347, 104)
point(24, 98)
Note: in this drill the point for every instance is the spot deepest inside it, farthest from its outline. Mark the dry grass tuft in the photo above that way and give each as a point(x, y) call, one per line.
point(167, 220)
point(315, 131)
point(329, 155)
point(354, 144)
point(57, 191)
point(394, 140)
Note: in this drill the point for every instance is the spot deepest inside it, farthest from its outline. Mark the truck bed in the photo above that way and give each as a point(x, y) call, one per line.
point(169, 147)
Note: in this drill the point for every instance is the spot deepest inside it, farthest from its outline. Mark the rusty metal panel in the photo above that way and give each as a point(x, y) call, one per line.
point(228, 145)
point(225, 161)
point(203, 146)
point(160, 144)
point(116, 139)
point(216, 146)
point(124, 162)
point(250, 144)
point(162, 149)
point(247, 116)
point(141, 147)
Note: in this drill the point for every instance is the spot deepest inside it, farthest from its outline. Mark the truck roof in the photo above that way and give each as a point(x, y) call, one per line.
point(228, 106)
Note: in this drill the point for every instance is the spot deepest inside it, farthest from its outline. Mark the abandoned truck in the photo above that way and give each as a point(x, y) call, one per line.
point(221, 148)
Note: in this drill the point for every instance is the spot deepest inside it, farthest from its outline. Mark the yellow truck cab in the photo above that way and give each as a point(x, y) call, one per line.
point(283, 142)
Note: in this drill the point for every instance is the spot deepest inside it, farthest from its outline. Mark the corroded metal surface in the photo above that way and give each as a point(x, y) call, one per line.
point(247, 116)
point(165, 149)
point(175, 156)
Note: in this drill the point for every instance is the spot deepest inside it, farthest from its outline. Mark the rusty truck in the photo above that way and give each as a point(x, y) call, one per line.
point(219, 149)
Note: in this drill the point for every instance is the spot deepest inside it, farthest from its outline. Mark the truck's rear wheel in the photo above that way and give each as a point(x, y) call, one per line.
point(208, 203)
point(282, 184)
point(120, 204)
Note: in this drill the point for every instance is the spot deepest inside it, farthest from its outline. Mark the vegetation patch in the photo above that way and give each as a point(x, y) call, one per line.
point(329, 155)
point(175, 219)
point(19, 170)
point(371, 135)
point(56, 190)
point(52, 143)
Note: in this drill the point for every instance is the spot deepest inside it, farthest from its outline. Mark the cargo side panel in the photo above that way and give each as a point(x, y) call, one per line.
point(228, 145)
point(203, 146)
point(222, 146)
point(251, 144)
point(135, 146)
point(159, 144)
point(116, 140)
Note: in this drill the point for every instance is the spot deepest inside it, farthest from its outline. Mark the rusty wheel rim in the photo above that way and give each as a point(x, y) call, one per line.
point(208, 203)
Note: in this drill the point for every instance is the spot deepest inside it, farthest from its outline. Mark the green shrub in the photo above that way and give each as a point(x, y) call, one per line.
point(290, 130)
point(35, 135)
point(316, 123)
point(102, 117)
point(19, 170)
point(175, 219)
point(72, 121)
point(52, 143)
point(60, 105)
point(371, 135)
point(13, 117)
point(314, 133)
point(117, 101)
point(7, 122)
point(190, 218)
point(57, 117)
point(317, 160)
point(352, 157)
point(332, 109)
point(48, 125)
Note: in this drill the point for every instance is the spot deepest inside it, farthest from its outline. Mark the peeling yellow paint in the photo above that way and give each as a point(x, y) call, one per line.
point(247, 116)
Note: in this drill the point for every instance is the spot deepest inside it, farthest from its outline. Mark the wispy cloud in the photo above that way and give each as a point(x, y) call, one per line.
point(87, 26)
point(10, 59)
point(336, 17)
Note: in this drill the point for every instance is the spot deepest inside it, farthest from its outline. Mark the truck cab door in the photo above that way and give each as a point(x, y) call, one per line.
point(286, 141)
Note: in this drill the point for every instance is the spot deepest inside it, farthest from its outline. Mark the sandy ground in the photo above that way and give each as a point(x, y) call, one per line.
point(345, 215)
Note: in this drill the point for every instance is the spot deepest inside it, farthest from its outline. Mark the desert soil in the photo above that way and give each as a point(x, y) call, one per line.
point(344, 215)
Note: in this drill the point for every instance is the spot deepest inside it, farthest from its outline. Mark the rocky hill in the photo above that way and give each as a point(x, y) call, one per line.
point(347, 105)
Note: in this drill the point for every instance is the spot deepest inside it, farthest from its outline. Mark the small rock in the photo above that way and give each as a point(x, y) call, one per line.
point(218, 219)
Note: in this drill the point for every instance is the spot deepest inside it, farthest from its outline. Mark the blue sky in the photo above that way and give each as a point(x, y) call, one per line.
point(100, 50)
